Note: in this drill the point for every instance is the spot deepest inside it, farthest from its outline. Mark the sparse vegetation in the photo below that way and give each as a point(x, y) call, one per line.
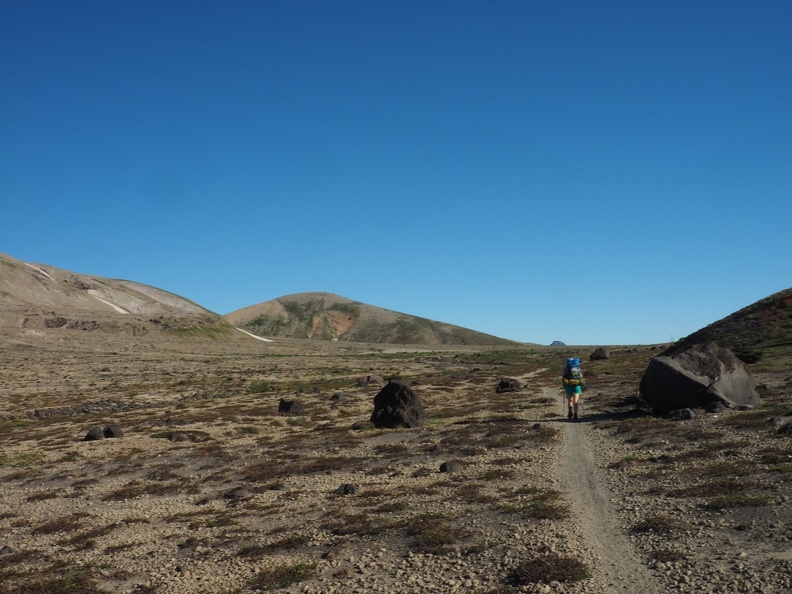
point(282, 576)
point(549, 568)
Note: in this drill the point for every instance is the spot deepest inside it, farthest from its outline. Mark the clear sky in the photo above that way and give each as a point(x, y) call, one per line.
point(612, 172)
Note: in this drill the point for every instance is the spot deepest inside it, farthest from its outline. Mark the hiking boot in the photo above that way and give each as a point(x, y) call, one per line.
point(569, 416)
point(575, 417)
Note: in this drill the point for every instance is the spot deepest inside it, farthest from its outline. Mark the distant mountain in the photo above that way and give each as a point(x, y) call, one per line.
point(751, 331)
point(331, 317)
point(37, 296)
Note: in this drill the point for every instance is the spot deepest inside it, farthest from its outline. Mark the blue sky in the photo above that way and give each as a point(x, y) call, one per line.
point(613, 172)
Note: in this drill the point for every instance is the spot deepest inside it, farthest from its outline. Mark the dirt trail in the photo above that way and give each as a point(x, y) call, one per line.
point(585, 484)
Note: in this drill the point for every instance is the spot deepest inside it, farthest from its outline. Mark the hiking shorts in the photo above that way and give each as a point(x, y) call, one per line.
point(572, 390)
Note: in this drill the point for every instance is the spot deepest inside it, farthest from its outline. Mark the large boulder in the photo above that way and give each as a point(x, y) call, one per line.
point(696, 377)
point(396, 405)
point(599, 354)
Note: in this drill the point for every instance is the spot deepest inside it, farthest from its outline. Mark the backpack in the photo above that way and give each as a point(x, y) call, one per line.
point(572, 374)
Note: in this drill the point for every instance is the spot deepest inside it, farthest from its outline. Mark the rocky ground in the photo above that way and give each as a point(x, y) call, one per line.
point(211, 490)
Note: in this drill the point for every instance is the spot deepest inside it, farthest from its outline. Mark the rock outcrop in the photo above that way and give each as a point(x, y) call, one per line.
point(696, 377)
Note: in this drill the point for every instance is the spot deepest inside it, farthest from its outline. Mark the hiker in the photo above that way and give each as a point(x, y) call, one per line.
point(572, 380)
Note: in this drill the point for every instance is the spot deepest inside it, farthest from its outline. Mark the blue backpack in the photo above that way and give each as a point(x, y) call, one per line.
point(572, 374)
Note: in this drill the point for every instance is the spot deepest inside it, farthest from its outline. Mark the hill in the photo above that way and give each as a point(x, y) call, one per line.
point(36, 299)
point(326, 316)
point(751, 332)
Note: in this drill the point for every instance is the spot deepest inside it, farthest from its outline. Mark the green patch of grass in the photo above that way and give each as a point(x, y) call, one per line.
point(497, 474)
point(256, 551)
point(628, 460)
point(259, 386)
point(543, 505)
point(360, 524)
point(782, 468)
point(282, 576)
point(549, 568)
point(472, 493)
point(70, 582)
point(736, 500)
point(21, 460)
point(67, 524)
point(710, 489)
point(136, 489)
point(221, 522)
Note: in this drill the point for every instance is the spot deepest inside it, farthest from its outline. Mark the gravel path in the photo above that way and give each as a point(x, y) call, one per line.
point(585, 486)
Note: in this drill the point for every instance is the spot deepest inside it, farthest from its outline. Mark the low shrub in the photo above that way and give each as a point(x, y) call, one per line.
point(549, 568)
point(282, 576)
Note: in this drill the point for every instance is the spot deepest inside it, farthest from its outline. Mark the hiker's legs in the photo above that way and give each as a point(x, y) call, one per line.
point(573, 396)
point(573, 399)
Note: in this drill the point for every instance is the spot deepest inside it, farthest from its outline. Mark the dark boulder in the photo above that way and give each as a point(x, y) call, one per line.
point(396, 405)
point(290, 407)
point(113, 431)
point(696, 377)
point(452, 466)
point(94, 433)
point(599, 354)
point(346, 489)
point(508, 384)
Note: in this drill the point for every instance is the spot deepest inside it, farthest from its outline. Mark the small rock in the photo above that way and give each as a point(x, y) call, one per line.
point(113, 431)
point(452, 466)
point(237, 494)
point(94, 434)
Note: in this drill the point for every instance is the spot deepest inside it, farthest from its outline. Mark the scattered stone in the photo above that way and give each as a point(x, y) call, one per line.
point(681, 414)
point(370, 379)
point(452, 466)
point(396, 405)
point(113, 431)
point(237, 494)
point(94, 433)
point(508, 384)
point(290, 407)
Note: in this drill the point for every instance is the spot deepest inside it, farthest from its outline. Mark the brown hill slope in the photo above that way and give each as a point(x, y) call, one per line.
point(753, 331)
point(331, 317)
point(39, 298)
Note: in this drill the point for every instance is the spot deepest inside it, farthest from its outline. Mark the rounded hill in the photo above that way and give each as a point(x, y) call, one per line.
point(325, 316)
